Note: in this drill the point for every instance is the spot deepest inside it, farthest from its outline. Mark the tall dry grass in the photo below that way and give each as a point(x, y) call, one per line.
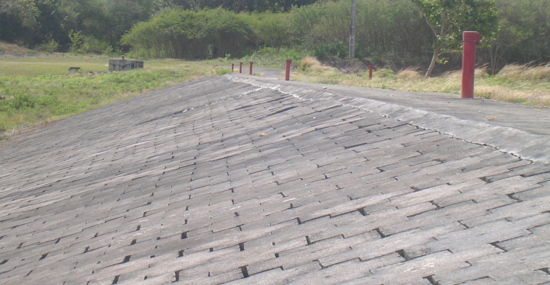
point(409, 74)
point(308, 63)
point(515, 83)
point(457, 74)
point(519, 83)
point(501, 93)
point(525, 72)
point(311, 64)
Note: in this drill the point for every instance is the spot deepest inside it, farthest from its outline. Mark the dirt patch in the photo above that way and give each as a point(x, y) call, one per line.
point(12, 50)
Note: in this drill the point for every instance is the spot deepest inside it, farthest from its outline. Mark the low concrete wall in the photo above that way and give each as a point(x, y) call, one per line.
point(121, 64)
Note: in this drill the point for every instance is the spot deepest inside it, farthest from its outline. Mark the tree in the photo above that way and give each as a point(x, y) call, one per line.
point(449, 18)
point(25, 7)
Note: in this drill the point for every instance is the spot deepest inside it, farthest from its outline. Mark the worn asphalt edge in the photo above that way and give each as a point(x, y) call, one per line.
point(505, 139)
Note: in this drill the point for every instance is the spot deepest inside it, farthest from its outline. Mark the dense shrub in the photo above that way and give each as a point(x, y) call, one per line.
point(336, 49)
point(191, 35)
point(88, 45)
point(389, 32)
point(273, 30)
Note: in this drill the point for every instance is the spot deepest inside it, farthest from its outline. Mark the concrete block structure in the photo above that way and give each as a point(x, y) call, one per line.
point(122, 64)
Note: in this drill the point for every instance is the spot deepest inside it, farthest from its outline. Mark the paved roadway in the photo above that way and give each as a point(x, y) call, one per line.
point(255, 181)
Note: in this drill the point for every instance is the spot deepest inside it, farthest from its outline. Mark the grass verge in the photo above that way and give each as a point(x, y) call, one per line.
point(515, 83)
point(35, 91)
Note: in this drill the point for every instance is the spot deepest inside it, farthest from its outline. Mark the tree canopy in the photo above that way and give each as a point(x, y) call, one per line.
point(449, 18)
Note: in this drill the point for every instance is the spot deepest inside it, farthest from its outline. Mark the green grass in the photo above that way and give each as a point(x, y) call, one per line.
point(35, 91)
point(50, 66)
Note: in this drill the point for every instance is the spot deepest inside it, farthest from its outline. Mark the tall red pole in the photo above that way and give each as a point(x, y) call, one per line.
point(370, 71)
point(287, 71)
point(232, 67)
point(471, 39)
point(251, 68)
point(241, 67)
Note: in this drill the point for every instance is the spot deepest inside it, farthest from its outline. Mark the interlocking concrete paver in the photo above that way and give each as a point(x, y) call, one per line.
point(239, 181)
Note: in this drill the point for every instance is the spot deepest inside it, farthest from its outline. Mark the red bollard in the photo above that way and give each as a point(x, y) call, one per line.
point(370, 71)
point(251, 68)
point(471, 39)
point(232, 67)
point(241, 67)
point(287, 71)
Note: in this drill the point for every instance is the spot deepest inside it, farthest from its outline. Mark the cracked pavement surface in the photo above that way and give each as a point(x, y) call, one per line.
point(249, 181)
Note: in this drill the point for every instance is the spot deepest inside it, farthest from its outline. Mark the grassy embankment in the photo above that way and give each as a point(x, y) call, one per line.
point(38, 90)
point(514, 83)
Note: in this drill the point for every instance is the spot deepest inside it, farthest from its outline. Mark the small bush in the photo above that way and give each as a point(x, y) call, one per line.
point(81, 44)
point(49, 47)
point(76, 40)
point(293, 55)
point(191, 35)
point(23, 101)
point(309, 63)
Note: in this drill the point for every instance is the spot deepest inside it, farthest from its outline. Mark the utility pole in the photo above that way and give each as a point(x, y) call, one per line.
point(352, 30)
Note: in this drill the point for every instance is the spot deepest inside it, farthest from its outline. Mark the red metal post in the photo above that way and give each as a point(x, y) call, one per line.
point(241, 67)
point(251, 68)
point(232, 67)
point(370, 71)
point(287, 71)
point(471, 39)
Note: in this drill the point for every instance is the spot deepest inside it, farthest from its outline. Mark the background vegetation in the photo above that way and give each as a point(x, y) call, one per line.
point(524, 84)
point(390, 32)
point(190, 35)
